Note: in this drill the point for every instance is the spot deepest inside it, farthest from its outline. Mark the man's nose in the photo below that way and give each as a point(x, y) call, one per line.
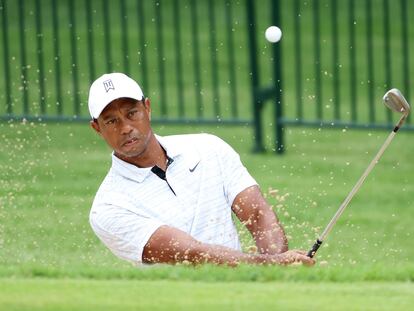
point(126, 127)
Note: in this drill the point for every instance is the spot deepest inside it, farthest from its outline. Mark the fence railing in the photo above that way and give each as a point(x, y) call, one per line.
point(207, 61)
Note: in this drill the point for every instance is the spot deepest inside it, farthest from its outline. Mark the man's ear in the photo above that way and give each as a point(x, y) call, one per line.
point(147, 105)
point(94, 124)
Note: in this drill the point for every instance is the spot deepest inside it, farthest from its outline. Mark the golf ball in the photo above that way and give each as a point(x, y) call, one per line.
point(273, 34)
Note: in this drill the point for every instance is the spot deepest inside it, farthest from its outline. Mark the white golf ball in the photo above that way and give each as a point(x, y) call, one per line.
point(273, 34)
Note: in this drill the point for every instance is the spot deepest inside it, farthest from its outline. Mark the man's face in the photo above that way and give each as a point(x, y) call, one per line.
point(125, 126)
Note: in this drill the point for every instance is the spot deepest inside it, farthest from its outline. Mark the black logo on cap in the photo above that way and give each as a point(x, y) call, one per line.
point(108, 85)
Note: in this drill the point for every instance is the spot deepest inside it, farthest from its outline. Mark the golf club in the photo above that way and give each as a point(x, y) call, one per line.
point(394, 100)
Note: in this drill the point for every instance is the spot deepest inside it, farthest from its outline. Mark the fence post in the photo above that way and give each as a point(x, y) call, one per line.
point(39, 52)
point(56, 54)
point(74, 60)
point(5, 30)
point(23, 75)
point(277, 74)
point(257, 103)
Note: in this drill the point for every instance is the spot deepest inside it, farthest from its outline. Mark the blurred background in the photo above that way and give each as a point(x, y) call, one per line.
point(208, 61)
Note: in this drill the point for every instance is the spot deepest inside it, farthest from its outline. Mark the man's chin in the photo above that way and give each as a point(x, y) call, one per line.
point(128, 154)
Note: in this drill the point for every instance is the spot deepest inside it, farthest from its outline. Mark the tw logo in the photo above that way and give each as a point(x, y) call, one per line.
point(108, 85)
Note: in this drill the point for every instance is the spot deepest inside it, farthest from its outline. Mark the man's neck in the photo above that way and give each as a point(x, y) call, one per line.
point(154, 155)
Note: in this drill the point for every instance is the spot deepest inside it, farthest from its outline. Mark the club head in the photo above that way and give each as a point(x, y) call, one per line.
point(394, 100)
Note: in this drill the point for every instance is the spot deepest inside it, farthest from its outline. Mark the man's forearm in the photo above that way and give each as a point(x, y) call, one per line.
point(269, 236)
point(170, 245)
point(220, 255)
point(258, 217)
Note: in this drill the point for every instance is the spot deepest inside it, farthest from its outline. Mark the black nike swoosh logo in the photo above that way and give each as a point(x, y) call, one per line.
point(193, 169)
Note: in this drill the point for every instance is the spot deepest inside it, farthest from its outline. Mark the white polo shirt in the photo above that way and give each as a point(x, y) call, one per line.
point(203, 179)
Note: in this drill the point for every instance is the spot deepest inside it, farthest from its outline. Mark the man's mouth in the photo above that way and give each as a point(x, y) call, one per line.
point(130, 142)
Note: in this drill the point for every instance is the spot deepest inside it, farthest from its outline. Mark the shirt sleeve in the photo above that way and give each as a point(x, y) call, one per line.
point(236, 177)
point(122, 231)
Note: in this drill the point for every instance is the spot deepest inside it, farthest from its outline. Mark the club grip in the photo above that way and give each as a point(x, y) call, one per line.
point(315, 247)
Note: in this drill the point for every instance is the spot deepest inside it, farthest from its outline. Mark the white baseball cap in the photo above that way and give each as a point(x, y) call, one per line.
point(109, 87)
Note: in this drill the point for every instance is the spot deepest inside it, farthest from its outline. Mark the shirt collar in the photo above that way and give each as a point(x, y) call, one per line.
point(177, 146)
point(128, 170)
point(173, 150)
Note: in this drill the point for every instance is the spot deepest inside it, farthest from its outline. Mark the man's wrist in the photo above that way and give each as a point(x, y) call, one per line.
point(259, 259)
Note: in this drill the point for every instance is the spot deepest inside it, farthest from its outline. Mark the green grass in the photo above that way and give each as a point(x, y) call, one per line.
point(50, 174)
point(46, 294)
point(51, 260)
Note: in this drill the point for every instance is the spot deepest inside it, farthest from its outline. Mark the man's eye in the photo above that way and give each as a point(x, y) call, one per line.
point(110, 122)
point(132, 113)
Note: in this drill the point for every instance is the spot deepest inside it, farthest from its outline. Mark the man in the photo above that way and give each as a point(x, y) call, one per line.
point(170, 199)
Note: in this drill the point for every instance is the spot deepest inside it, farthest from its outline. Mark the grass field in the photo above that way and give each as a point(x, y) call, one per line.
point(56, 295)
point(50, 174)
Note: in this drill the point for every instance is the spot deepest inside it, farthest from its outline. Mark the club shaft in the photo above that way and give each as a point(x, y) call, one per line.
point(356, 188)
point(360, 181)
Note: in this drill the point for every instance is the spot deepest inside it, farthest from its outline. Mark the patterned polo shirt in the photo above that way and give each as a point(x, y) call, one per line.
point(194, 195)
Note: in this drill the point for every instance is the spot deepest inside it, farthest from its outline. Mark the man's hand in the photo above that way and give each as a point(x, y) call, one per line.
point(293, 257)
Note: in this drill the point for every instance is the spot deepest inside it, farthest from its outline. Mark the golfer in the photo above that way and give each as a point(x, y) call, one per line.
point(171, 199)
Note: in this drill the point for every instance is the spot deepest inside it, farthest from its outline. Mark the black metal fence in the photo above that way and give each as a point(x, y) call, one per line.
point(339, 58)
point(207, 60)
point(189, 56)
